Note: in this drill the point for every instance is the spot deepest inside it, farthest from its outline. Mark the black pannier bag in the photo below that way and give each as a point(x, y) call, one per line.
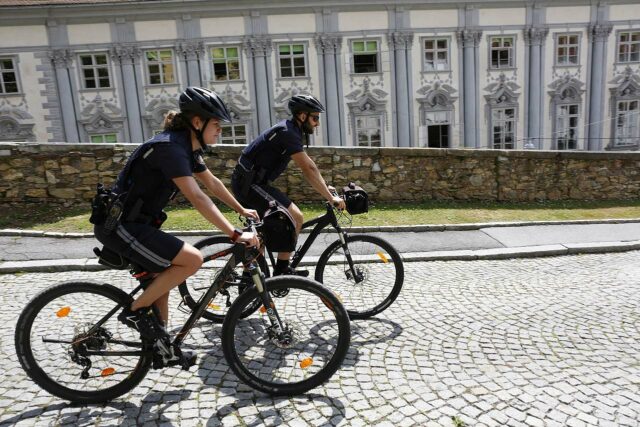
point(279, 229)
point(356, 199)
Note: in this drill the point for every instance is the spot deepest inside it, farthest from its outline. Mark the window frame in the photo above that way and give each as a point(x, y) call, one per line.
point(148, 63)
point(493, 123)
point(449, 115)
point(233, 137)
point(634, 126)
point(557, 136)
point(14, 62)
point(94, 67)
point(226, 59)
point(423, 41)
point(511, 51)
point(292, 56)
point(353, 55)
point(630, 43)
point(557, 36)
point(380, 118)
point(103, 137)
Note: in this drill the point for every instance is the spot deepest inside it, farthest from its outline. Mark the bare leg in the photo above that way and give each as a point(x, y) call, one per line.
point(186, 263)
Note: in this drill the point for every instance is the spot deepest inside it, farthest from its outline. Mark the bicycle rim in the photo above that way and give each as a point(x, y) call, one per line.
point(53, 342)
point(316, 342)
point(378, 279)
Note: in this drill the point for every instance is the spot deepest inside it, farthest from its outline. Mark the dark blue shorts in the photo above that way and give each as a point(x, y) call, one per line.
point(258, 196)
point(143, 244)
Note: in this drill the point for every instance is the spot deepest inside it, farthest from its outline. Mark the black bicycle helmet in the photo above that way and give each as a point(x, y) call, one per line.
point(304, 103)
point(204, 103)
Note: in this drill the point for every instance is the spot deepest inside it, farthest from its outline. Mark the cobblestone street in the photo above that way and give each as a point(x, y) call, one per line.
point(527, 342)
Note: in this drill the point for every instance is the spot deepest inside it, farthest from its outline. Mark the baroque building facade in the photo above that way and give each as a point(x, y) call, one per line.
point(505, 74)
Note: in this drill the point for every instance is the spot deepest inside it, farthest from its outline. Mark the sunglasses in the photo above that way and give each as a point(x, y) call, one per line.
point(315, 118)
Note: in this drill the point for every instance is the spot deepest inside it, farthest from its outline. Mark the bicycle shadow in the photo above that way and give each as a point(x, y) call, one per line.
point(377, 331)
point(151, 408)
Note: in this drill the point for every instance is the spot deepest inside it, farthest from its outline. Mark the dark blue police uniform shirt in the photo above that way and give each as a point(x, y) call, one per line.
point(153, 166)
point(272, 150)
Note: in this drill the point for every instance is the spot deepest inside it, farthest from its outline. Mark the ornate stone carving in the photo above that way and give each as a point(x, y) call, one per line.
point(600, 32)
point(191, 50)
point(328, 43)
point(469, 37)
point(125, 54)
point(16, 124)
point(627, 85)
point(437, 95)
point(566, 89)
point(400, 40)
point(258, 46)
point(502, 92)
point(61, 58)
point(535, 35)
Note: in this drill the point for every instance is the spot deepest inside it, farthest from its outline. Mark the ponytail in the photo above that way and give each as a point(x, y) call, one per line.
point(175, 121)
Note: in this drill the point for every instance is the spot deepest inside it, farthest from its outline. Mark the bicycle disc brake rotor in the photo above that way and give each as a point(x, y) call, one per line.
point(360, 276)
point(287, 339)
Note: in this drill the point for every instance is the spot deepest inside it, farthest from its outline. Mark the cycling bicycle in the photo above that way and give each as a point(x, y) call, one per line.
point(366, 272)
point(282, 336)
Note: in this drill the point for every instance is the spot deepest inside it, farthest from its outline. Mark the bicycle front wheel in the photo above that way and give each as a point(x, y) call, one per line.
point(61, 351)
point(304, 354)
point(216, 253)
point(375, 280)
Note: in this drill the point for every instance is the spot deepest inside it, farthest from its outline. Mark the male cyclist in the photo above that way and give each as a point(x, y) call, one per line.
point(167, 163)
point(268, 156)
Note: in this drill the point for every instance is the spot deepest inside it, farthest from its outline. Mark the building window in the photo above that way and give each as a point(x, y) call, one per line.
point(292, 60)
point(503, 128)
point(8, 76)
point(226, 63)
point(106, 138)
point(369, 131)
point(502, 55)
point(627, 126)
point(437, 129)
point(94, 69)
point(160, 66)
point(436, 54)
point(629, 46)
point(567, 46)
point(567, 126)
point(365, 56)
point(234, 134)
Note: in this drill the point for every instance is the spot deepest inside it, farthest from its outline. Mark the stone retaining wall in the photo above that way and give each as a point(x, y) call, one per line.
point(67, 173)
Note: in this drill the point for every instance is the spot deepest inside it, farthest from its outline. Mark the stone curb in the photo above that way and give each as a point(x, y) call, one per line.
point(367, 229)
point(91, 264)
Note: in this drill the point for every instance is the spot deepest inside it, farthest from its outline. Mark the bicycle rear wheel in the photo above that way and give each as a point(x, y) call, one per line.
point(56, 350)
point(378, 278)
point(196, 286)
point(308, 352)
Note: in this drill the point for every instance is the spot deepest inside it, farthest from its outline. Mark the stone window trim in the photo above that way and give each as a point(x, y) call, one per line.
point(357, 131)
point(565, 91)
point(634, 47)
point(304, 55)
point(556, 44)
point(447, 49)
point(94, 67)
point(103, 138)
point(626, 92)
point(514, 131)
point(6, 73)
point(161, 64)
point(511, 51)
point(559, 132)
point(378, 52)
point(210, 49)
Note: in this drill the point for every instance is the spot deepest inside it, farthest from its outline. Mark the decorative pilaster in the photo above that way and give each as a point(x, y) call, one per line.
point(62, 60)
point(191, 52)
point(258, 48)
point(534, 38)
point(329, 47)
point(126, 56)
point(598, 33)
point(401, 43)
point(469, 39)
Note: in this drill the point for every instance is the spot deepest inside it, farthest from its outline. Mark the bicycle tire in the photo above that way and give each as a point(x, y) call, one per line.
point(62, 321)
point(374, 258)
point(195, 286)
point(310, 360)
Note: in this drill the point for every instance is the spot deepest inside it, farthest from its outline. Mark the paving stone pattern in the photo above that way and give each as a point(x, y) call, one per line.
point(528, 342)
